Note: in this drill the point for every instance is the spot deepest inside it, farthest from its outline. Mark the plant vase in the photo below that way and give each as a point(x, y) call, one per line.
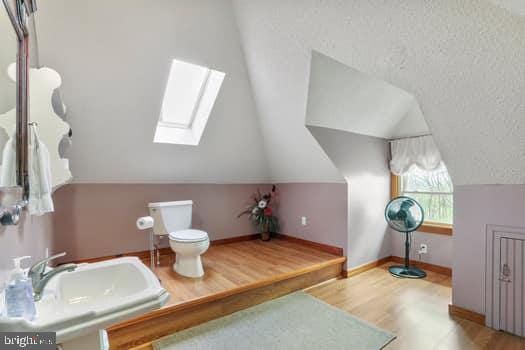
point(265, 234)
point(261, 214)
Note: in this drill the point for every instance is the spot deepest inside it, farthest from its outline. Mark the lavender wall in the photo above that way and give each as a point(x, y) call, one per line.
point(323, 204)
point(475, 207)
point(93, 220)
point(439, 247)
point(31, 237)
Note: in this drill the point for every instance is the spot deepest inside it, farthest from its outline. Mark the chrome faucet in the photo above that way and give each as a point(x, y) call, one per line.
point(40, 277)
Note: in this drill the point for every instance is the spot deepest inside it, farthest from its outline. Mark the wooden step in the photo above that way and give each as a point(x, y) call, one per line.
point(140, 332)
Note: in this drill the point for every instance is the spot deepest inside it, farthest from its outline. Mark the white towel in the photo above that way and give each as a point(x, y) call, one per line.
point(40, 185)
point(8, 173)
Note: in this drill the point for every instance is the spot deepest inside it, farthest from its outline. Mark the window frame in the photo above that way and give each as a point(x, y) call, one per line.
point(202, 89)
point(427, 226)
point(171, 132)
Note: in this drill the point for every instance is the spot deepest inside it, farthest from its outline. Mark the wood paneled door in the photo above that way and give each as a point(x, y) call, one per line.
point(505, 282)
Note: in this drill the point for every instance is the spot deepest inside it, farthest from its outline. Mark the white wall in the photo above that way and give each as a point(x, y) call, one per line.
point(114, 58)
point(340, 97)
point(363, 162)
point(279, 73)
point(463, 61)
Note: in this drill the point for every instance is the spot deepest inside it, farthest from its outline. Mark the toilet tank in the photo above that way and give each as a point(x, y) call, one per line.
point(170, 216)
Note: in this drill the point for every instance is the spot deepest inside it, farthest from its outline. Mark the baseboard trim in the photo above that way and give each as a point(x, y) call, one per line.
point(320, 246)
point(447, 271)
point(244, 238)
point(466, 314)
point(365, 267)
point(144, 254)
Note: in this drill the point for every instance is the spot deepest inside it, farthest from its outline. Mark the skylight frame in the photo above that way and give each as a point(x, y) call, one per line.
point(168, 131)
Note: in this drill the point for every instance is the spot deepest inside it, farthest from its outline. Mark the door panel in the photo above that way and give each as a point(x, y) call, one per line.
point(510, 281)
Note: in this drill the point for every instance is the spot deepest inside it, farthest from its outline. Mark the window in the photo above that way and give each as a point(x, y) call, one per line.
point(188, 100)
point(434, 191)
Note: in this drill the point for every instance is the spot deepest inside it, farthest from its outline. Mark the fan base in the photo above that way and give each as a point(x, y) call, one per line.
point(404, 272)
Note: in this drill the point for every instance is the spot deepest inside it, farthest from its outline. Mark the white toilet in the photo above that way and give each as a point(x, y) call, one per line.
point(174, 219)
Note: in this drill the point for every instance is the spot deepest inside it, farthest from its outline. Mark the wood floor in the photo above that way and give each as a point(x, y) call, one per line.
point(414, 310)
point(242, 274)
point(234, 265)
point(237, 275)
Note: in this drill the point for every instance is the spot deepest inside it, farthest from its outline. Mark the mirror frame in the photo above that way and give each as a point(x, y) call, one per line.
point(19, 12)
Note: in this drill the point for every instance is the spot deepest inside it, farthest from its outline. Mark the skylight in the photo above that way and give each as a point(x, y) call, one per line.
point(188, 100)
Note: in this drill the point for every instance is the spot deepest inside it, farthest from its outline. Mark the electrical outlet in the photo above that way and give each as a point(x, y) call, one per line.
point(423, 248)
point(303, 220)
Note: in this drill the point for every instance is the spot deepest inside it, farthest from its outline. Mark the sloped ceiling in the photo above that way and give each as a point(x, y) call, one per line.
point(340, 97)
point(462, 60)
point(114, 58)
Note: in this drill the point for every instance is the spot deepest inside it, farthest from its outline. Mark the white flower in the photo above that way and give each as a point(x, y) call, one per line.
point(255, 210)
point(262, 204)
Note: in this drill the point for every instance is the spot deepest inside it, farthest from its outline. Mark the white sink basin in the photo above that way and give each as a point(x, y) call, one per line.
point(94, 296)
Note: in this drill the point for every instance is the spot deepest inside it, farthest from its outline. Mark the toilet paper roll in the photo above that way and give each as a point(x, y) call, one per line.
point(145, 222)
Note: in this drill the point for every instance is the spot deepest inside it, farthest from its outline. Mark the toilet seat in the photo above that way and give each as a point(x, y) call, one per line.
point(189, 236)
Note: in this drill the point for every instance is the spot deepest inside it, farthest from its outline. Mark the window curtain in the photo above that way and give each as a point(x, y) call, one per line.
point(420, 151)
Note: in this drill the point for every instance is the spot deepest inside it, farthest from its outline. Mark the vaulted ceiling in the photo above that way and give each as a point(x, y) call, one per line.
point(462, 60)
point(114, 58)
point(340, 97)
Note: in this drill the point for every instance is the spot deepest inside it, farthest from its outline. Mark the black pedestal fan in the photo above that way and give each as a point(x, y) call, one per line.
point(404, 214)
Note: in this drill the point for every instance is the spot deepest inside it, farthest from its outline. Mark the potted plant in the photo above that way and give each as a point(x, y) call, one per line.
point(261, 214)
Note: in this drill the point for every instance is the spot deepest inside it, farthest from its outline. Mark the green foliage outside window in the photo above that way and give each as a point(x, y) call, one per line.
point(433, 190)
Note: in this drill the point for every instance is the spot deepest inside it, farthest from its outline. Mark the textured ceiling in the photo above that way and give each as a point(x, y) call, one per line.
point(340, 97)
point(462, 60)
point(514, 6)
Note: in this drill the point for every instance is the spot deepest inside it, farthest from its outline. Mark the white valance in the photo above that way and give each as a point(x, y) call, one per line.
point(420, 151)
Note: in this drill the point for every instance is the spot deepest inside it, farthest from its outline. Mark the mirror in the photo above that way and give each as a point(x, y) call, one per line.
point(46, 113)
point(10, 195)
point(45, 109)
point(9, 45)
point(31, 129)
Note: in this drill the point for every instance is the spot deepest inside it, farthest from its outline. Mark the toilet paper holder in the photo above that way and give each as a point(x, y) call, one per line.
point(145, 223)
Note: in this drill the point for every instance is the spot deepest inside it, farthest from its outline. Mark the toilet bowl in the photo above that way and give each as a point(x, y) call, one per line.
point(173, 219)
point(188, 246)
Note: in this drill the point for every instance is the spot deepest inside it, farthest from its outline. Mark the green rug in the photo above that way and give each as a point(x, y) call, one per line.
point(295, 321)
